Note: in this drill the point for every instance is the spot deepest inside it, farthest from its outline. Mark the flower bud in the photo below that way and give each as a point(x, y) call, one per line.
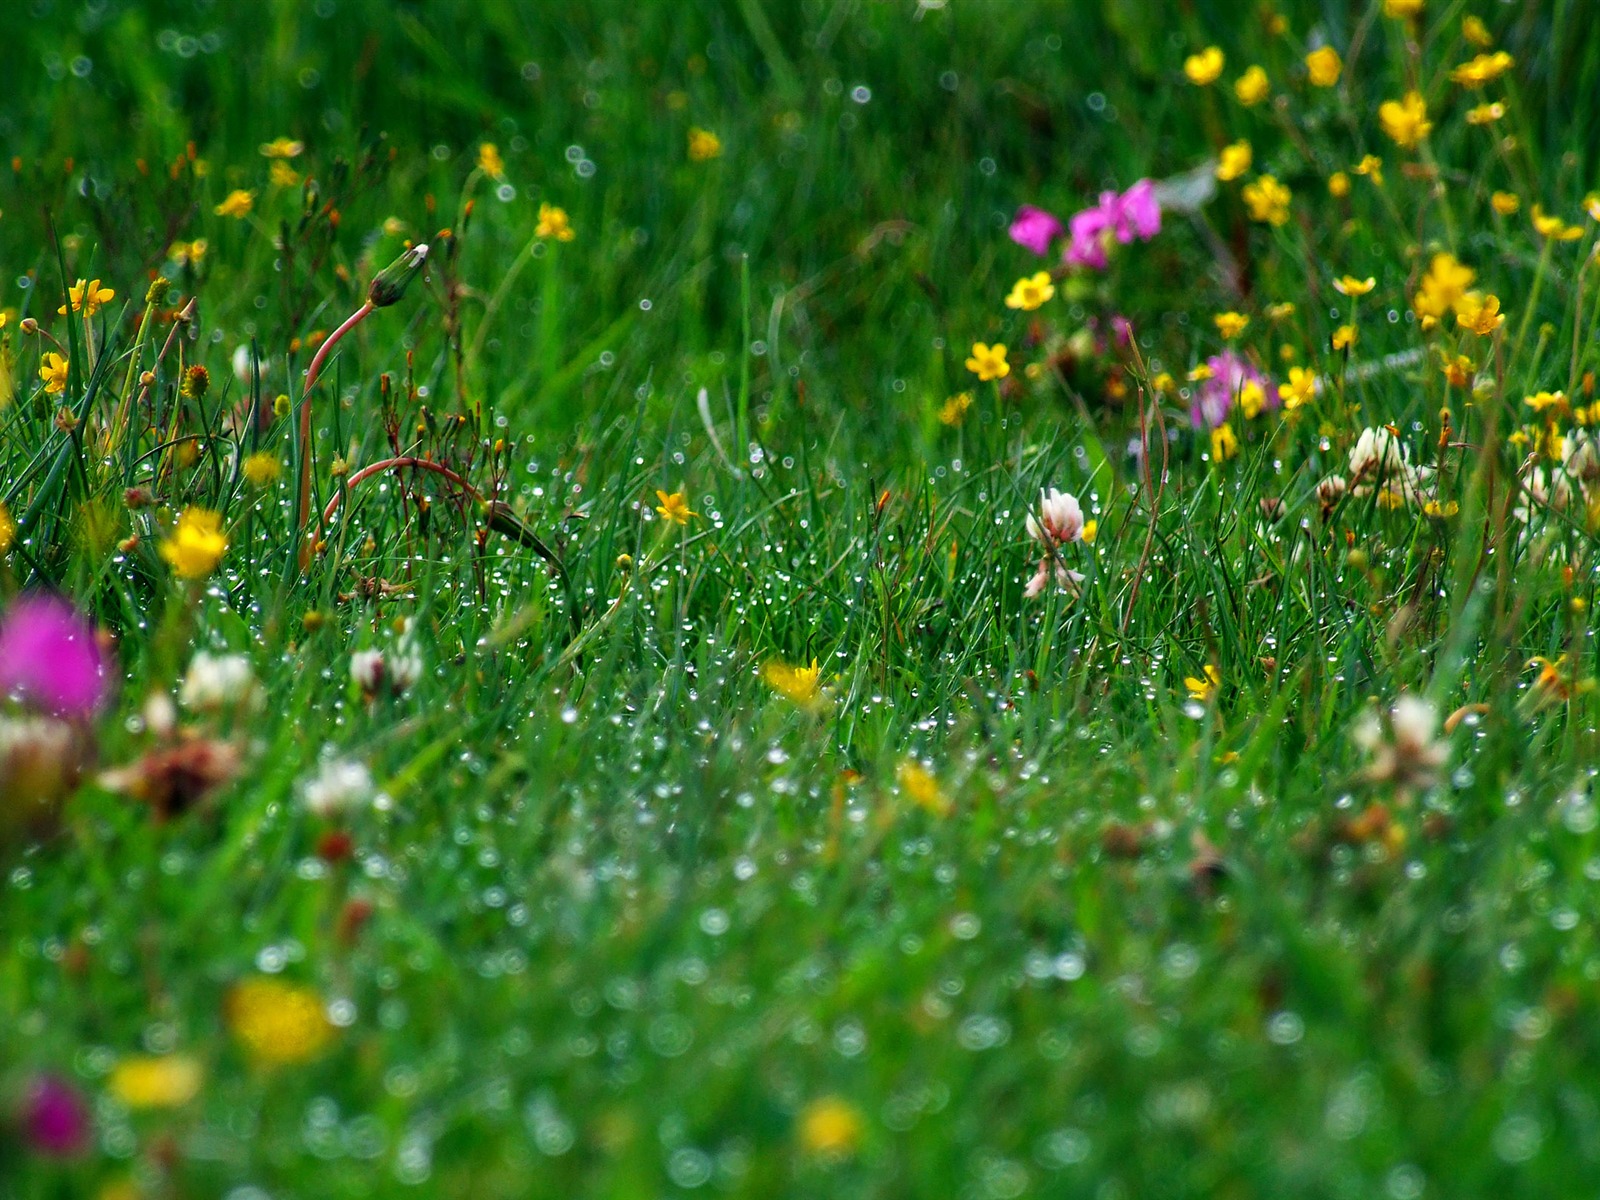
point(156, 293)
point(391, 283)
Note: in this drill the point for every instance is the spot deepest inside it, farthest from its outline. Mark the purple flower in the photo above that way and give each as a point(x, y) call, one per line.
point(1034, 228)
point(55, 1118)
point(49, 657)
point(1214, 397)
point(1132, 214)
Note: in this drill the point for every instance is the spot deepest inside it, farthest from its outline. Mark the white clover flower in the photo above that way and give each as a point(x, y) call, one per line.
point(340, 785)
point(1060, 519)
point(217, 681)
point(1405, 754)
point(1378, 458)
point(368, 670)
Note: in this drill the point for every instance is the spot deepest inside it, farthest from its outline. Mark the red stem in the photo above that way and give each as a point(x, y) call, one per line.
point(390, 464)
point(312, 372)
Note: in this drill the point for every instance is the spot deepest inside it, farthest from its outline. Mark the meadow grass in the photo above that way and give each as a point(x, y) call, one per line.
point(541, 843)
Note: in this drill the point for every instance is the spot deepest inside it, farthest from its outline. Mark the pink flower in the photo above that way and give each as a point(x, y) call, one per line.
point(1141, 213)
point(49, 658)
point(1214, 397)
point(1034, 228)
point(1066, 578)
point(1088, 246)
point(1060, 520)
point(1132, 214)
point(55, 1118)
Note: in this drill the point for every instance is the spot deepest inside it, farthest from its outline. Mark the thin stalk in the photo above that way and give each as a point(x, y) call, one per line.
point(303, 501)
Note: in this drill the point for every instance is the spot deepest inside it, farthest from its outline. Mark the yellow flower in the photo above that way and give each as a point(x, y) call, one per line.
point(798, 685)
point(283, 175)
point(87, 296)
point(955, 409)
point(1505, 203)
point(1324, 66)
point(831, 1127)
point(237, 205)
point(1458, 371)
point(1301, 388)
point(1230, 324)
point(704, 145)
point(261, 468)
point(277, 1023)
point(53, 370)
point(197, 543)
point(8, 529)
point(1540, 401)
point(1481, 314)
point(283, 148)
point(1408, 9)
point(1349, 285)
point(1281, 311)
point(167, 1081)
point(1345, 337)
point(1224, 444)
point(1445, 282)
point(188, 253)
point(1234, 161)
point(988, 362)
point(553, 223)
point(1200, 372)
point(1203, 689)
point(1476, 32)
point(1252, 87)
point(1554, 228)
point(1031, 291)
point(1252, 399)
point(1267, 200)
point(1372, 167)
point(918, 783)
point(1090, 531)
point(490, 162)
point(674, 507)
point(1485, 114)
point(1440, 511)
point(1591, 205)
point(1204, 68)
point(1483, 69)
point(1339, 185)
point(1405, 121)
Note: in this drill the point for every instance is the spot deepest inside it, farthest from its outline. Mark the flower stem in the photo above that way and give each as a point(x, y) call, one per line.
point(303, 504)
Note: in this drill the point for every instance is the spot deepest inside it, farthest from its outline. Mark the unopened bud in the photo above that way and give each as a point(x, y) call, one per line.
point(391, 283)
point(29, 326)
point(65, 421)
point(156, 293)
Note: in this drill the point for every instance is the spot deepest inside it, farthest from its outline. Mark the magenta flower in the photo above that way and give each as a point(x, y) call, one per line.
point(1034, 228)
point(49, 658)
point(55, 1119)
point(1214, 397)
point(1125, 216)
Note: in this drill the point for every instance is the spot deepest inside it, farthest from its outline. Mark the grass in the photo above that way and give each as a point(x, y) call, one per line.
point(1004, 907)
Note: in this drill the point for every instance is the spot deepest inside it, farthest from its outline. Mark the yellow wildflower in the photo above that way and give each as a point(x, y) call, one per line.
point(1372, 167)
point(1478, 313)
point(1483, 69)
point(1252, 399)
point(282, 175)
point(1301, 388)
point(1444, 283)
point(1345, 337)
point(1476, 32)
point(988, 362)
point(283, 147)
point(1405, 121)
point(1267, 200)
point(8, 529)
point(1349, 285)
point(1204, 68)
point(830, 1127)
point(1031, 291)
point(1252, 87)
point(674, 507)
point(1440, 511)
point(87, 296)
point(53, 370)
point(918, 783)
point(261, 468)
point(704, 145)
point(1339, 185)
point(188, 254)
point(1402, 9)
point(277, 1023)
point(1541, 401)
point(1505, 203)
point(1591, 205)
point(1202, 689)
point(1234, 160)
point(237, 205)
point(490, 162)
point(1458, 371)
point(798, 685)
point(1554, 228)
point(165, 1081)
point(1486, 113)
point(1224, 443)
point(955, 409)
point(553, 223)
point(1090, 531)
point(197, 543)
point(1230, 324)
point(1281, 311)
point(1200, 372)
point(1323, 66)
